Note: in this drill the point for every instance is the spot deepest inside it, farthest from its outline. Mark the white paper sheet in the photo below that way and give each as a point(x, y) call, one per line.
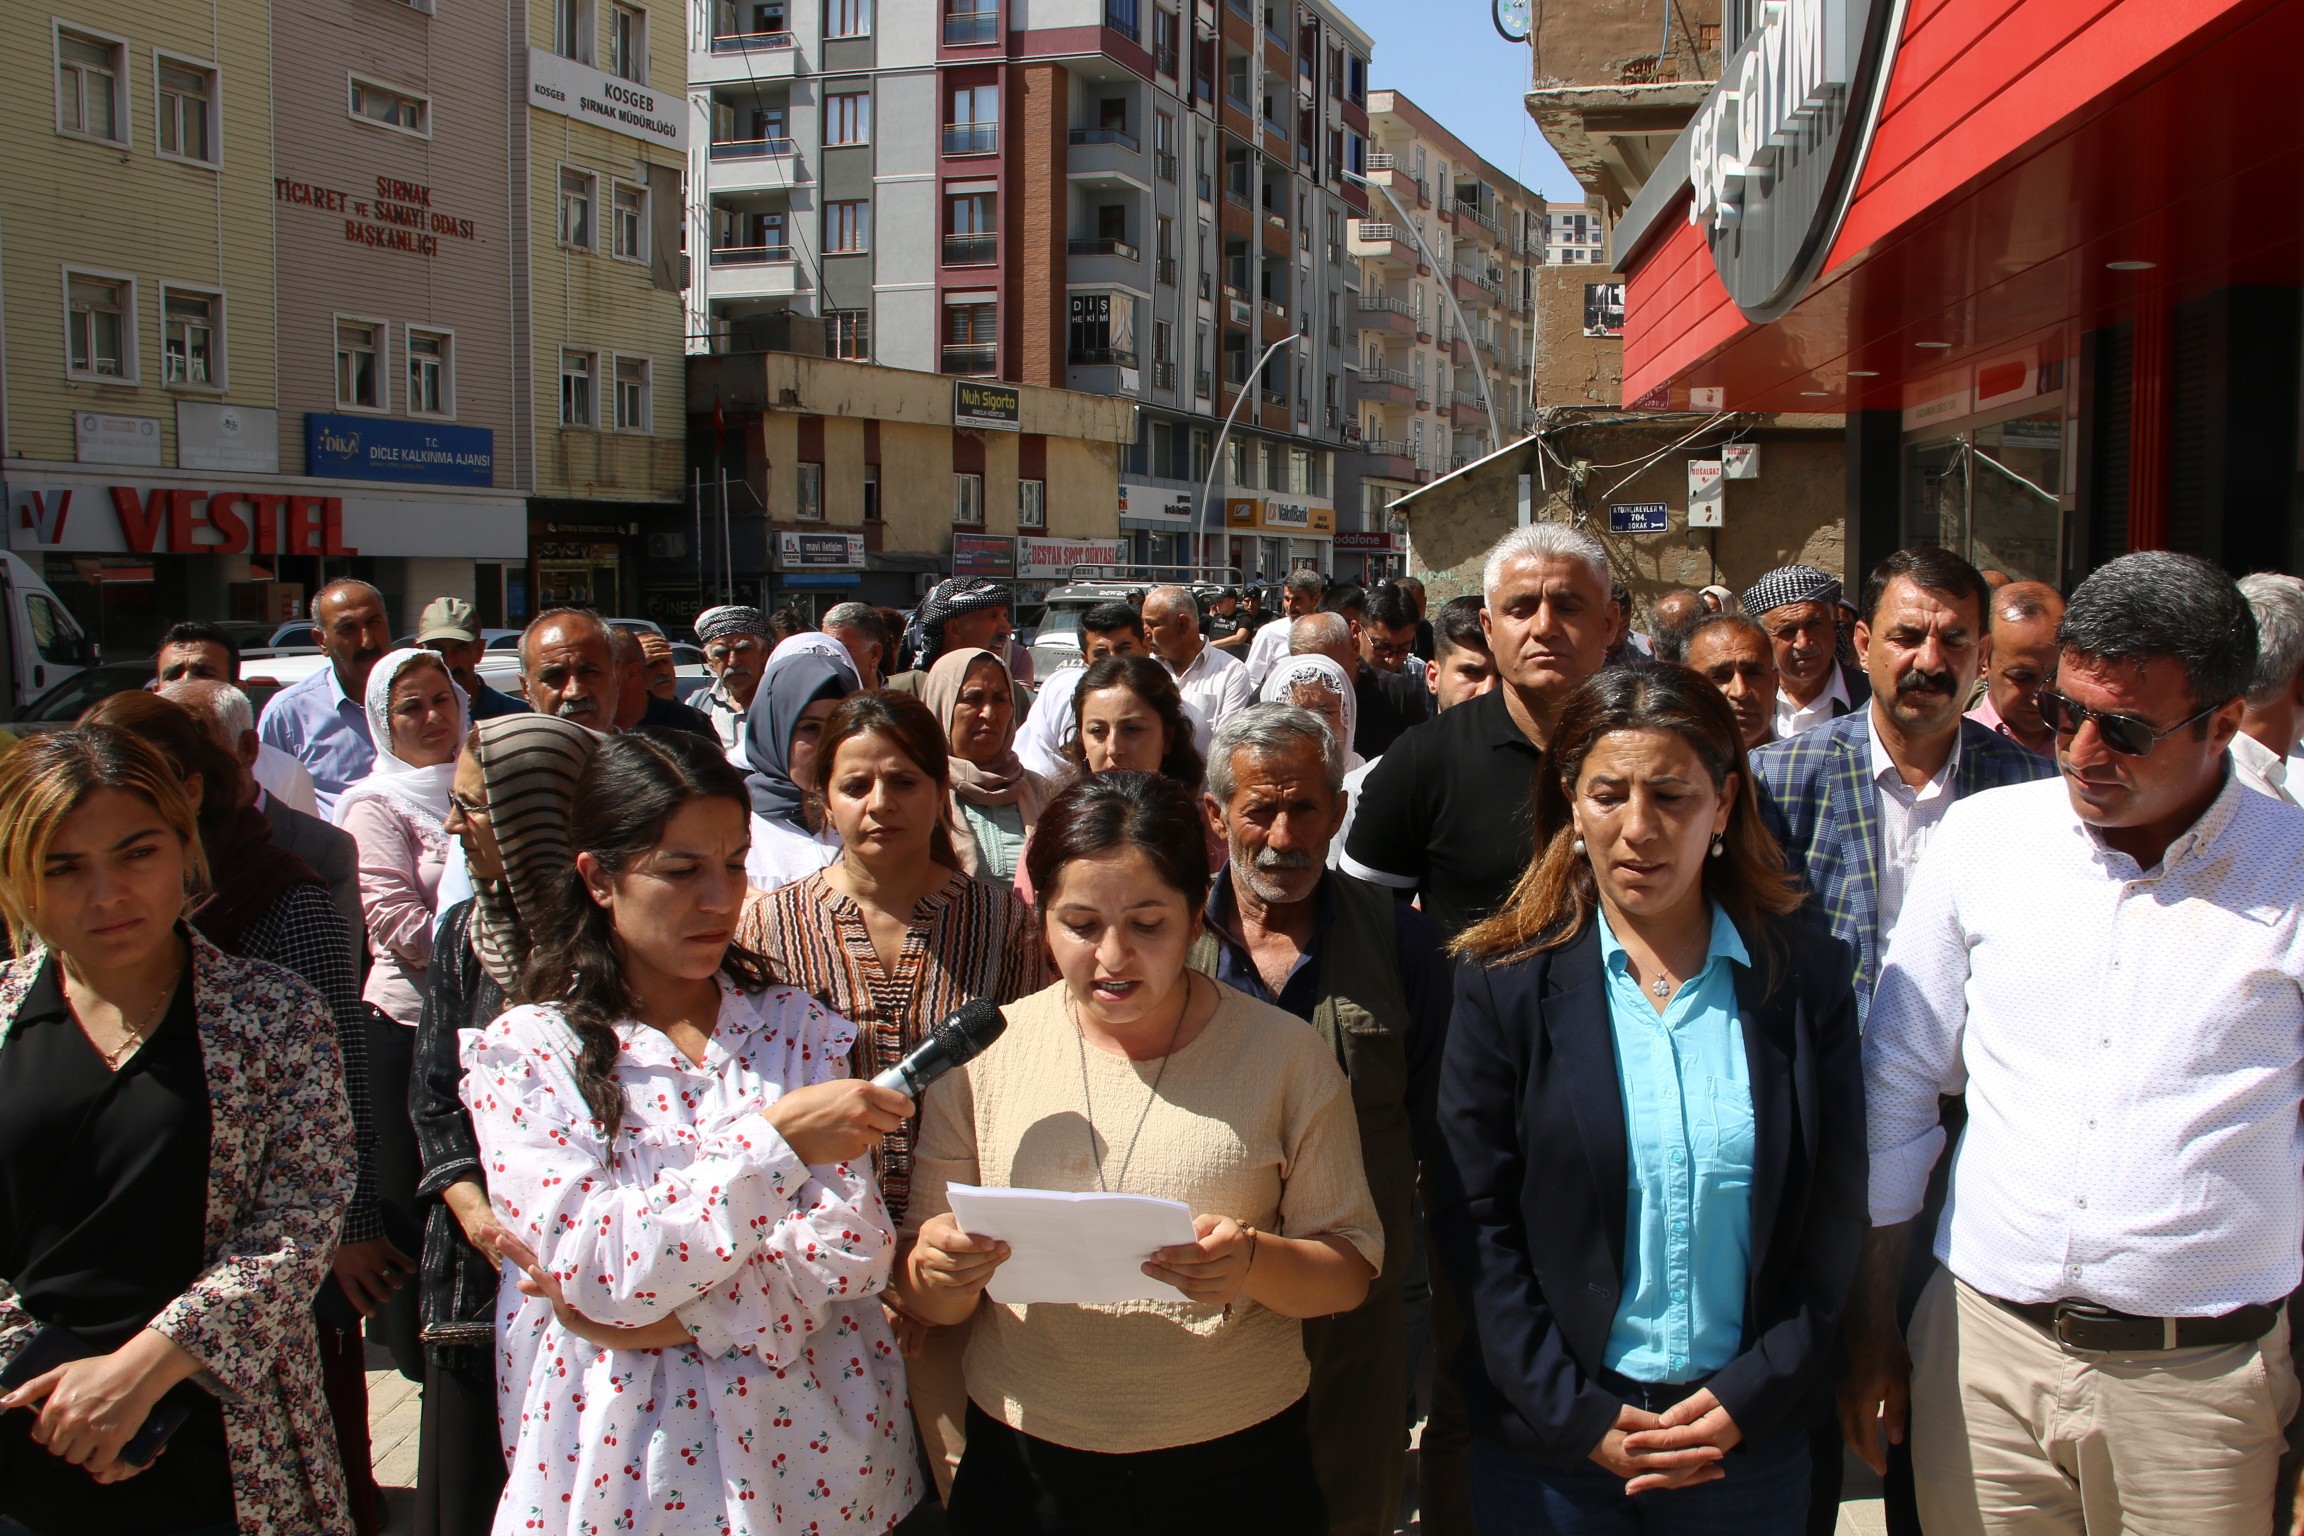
point(1073, 1247)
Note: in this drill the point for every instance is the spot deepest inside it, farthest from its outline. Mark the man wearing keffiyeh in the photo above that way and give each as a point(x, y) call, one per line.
point(962, 613)
point(1799, 607)
point(736, 646)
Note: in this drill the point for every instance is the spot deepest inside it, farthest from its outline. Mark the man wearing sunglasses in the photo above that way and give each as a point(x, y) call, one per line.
point(2112, 968)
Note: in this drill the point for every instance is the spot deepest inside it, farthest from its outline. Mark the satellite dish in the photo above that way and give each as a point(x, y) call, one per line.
point(1511, 18)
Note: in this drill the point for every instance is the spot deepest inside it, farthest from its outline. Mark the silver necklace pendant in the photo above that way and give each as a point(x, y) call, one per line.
point(1661, 986)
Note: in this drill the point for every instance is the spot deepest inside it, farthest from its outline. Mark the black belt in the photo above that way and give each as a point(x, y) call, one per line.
point(2085, 1326)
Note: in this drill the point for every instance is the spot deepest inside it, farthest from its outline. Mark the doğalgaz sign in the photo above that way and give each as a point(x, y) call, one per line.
point(1774, 152)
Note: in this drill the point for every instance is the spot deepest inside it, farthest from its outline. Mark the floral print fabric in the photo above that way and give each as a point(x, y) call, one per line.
point(788, 1412)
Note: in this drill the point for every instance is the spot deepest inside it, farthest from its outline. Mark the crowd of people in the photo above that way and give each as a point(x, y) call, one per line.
point(1631, 1058)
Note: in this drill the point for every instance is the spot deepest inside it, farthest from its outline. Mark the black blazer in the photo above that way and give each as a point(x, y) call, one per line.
point(1529, 1192)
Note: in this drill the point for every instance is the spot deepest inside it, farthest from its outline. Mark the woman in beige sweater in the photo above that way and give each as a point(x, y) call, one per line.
point(1135, 1074)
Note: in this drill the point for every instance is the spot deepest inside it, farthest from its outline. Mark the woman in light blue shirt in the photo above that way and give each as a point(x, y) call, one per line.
point(1651, 1187)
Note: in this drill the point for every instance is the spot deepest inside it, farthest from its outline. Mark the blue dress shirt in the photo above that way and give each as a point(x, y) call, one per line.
point(315, 722)
point(1688, 1127)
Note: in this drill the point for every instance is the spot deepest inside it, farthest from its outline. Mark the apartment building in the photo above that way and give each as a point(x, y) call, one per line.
point(1448, 259)
point(1575, 235)
point(1132, 198)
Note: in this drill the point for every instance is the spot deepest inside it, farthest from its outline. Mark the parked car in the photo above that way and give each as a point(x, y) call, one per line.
point(69, 699)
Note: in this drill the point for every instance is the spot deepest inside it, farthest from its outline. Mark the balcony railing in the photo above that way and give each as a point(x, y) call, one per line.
point(1381, 160)
point(1101, 247)
point(971, 250)
point(1163, 375)
point(962, 28)
point(971, 138)
point(1472, 211)
point(749, 255)
point(1167, 271)
point(1203, 383)
point(750, 149)
point(1120, 17)
point(1470, 400)
point(1164, 60)
point(970, 357)
point(1377, 374)
point(1371, 303)
point(1276, 309)
point(1371, 229)
point(744, 42)
point(1385, 447)
point(1119, 136)
point(1238, 195)
point(1104, 357)
point(1278, 221)
point(1274, 396)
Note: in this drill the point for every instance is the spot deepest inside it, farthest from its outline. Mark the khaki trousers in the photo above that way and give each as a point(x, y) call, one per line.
point(1358, 1411)
point(2014, 1435)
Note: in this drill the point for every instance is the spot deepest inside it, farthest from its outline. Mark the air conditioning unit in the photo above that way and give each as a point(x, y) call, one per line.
point(1243, 313)
point(669, 544)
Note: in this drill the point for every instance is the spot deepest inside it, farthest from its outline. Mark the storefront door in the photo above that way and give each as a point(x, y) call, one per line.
point(572, 573)
point(1994, 494)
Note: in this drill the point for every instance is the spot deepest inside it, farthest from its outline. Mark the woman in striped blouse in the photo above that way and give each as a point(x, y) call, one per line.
point(894, 936)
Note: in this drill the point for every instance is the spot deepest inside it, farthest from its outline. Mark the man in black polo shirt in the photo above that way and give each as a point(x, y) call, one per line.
point(1446, 813)
point(1389, 702)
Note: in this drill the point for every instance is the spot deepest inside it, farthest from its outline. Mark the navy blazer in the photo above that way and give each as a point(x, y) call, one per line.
point(1529, 1195)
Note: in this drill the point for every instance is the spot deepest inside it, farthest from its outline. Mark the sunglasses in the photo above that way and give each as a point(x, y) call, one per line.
point(2128, 735)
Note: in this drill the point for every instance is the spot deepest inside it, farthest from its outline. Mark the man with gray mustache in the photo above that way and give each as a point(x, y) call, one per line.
point(568, 668)
point(1364, 970)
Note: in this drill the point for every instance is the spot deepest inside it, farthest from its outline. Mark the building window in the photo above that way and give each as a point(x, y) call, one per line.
point(1164, 144)
point(975, 125)
point(99, 336)
point(971, 237)
point(630, 215)
point(187, 127)
point(632, 402)
point(359, 365)
point(1031, 503)
point(577, 190)
point(809, 493)
point(393, 109)
point(848, 333)
point(1356, 80)
point(628, 43)
point(1164, 33)
point(971, 337)
point(576, 389)
point(89, 71)
point(431, 373)
point(191, 331)
point(848, 18)
point(968, 501)
point(871, 493)
point(1120, 16)
point(572, 29)
point(848, 118)
point(847, 227)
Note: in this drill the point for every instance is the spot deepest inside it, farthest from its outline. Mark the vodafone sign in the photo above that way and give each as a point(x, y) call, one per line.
point(97, 514)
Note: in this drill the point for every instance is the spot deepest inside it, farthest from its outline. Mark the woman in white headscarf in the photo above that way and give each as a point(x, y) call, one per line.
point(418, 718)
point(1318, 684)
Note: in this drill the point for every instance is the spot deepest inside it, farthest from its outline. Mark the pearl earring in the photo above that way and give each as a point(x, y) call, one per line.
point(1578, 846)
point(1719, 846)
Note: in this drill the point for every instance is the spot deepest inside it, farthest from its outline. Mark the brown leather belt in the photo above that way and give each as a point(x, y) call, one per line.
point(2083, 1325)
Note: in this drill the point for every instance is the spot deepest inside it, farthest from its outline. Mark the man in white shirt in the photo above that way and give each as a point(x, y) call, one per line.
point(1108, 629)
point(1300, 594)
point(2104, 1348)
point(1799, 607)
point(2274, 717)
point(1213, 681)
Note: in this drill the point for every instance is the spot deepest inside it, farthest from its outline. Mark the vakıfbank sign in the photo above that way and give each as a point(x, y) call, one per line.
point(1774, 152)
point(593, 95)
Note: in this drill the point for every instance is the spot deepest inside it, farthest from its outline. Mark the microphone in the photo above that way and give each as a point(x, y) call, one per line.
point(955, 1042)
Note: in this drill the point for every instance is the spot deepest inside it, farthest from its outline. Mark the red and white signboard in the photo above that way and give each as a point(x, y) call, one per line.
point(1055, 557)
point(262, 515)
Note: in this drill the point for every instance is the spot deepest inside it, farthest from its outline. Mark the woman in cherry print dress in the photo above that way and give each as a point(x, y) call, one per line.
point(690, 1338)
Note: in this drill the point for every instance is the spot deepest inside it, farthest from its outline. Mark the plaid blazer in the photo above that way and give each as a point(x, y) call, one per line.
point(1818, 797)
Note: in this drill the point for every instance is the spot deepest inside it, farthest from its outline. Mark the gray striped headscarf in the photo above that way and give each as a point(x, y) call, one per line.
point(529, 764)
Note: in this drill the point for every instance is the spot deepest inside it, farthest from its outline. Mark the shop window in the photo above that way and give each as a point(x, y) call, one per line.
point(847, 118)
point(1031, 503)
point(187, 127)
point(89, 100)
point(633, 403)
point(191, 337)
point(576, 375)
point(572, 29)
point(968, 501)
point(360, 366)
point(847, 227)
point(431, 373)
point(808, 492)
point(388, 108)
point(578, 191)
point(100, 341)
point(629, 218)
point(628, 43)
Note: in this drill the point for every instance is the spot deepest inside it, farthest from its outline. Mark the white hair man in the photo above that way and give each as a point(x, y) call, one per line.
point(1213, 680)
point(2273, 719)
point(1365, 971)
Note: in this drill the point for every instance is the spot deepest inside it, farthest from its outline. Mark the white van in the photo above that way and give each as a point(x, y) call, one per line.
point(41, 644)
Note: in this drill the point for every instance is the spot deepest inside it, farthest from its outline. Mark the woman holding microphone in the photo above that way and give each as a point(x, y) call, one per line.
point(676, 1153)
point(1651, 1191)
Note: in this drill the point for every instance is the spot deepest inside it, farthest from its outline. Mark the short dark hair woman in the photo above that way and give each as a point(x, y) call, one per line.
point(175, 1159)
point(1651, 1192)
point(676, 1152)
point(1127, 713)
point(1136, 1074)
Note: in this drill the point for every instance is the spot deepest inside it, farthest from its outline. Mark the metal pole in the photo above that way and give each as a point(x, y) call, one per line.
point(727, 548)
point(1247, 388)
point(698, 475)
point(1487, 395)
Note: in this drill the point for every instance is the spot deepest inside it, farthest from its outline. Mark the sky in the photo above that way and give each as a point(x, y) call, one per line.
point(1446, 56)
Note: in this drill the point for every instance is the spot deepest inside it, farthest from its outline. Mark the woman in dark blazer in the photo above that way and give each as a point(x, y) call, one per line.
point(1651, 1190)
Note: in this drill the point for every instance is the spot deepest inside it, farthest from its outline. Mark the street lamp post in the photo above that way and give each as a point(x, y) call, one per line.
point(1247, 388)
point(1487, 395)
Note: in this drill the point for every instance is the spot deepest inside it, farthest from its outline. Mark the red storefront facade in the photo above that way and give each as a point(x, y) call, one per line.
point(2061, 300)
